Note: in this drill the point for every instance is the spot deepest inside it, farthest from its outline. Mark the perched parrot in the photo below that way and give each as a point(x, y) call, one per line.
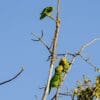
point(55, 81)
point(46, 12)
point(59, 69)
point(65, 63)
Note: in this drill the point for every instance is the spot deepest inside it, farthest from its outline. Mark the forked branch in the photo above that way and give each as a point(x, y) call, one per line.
point(40, 39)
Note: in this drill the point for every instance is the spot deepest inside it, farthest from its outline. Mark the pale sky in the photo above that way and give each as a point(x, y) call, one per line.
point(80, 23)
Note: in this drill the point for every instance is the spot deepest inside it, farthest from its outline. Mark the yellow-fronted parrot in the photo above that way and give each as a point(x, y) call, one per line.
point(55, 81)
point(65, 63)
point(59, 69)
point(46, 12)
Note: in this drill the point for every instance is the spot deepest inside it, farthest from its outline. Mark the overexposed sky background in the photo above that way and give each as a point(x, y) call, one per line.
point(80, 23)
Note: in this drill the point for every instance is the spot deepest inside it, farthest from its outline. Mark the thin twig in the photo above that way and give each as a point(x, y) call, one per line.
point(1, 83)
point(88, 44)
point(42, 41)
point(38, 38)
point(82, 49)
point(42, 87)
point(62, 94)
point(51, 17)
point(88, 62)
point(55, 40)
point(65, 94)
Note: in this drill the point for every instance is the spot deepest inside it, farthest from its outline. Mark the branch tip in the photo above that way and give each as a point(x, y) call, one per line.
point(14, 77)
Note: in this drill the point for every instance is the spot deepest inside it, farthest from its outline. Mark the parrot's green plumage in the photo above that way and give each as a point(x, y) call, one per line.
point(63, 66)
point(65, 63)
point(55, 81)
point(46, 12)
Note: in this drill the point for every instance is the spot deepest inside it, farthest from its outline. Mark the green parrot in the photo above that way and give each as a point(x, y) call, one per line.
point(65, 63)
point(46, 12)
point(55, 81)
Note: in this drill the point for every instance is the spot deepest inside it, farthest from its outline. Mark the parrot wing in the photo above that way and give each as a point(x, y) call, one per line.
point(55, 81)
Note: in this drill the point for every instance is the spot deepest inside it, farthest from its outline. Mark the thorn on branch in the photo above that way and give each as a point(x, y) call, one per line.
point(14, 77)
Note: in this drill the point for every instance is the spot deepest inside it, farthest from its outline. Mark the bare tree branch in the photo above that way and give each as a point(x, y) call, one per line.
point(14, 77)
point(87, 61)
point(82, 49)
point(55, 40)
point(38, 38)
point(88, 44)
